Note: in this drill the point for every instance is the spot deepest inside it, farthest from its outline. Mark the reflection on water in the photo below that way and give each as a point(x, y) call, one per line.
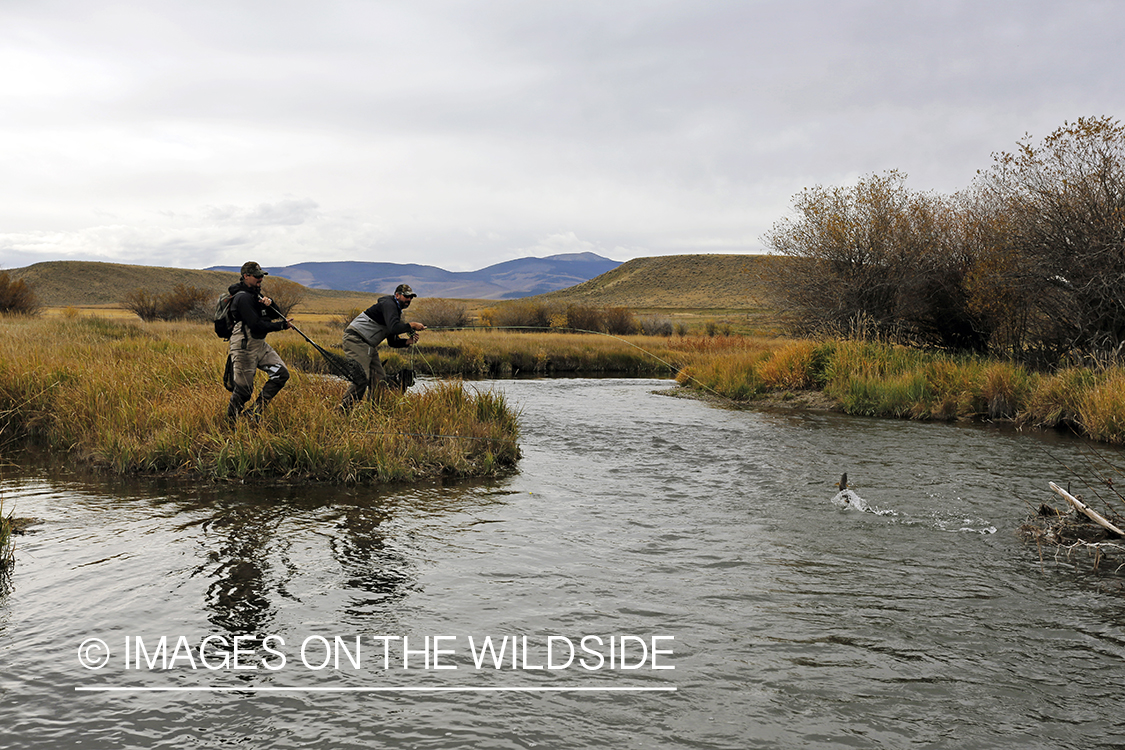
point(250, 561)
point(238, 597)
point(793, 620)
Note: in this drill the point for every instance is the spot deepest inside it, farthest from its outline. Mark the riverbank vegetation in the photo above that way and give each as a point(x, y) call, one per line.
point(17, 297)
point(134, 397)
point(499, 353)
point(1025, 264)
point(881, 379)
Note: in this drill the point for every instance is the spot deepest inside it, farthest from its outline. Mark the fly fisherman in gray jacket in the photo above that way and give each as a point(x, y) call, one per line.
point(382, 321)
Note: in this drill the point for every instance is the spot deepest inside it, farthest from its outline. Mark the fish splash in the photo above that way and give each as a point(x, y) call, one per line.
point(849, 501)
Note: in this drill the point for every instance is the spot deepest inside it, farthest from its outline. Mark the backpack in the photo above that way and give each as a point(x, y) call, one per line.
point(224, 318)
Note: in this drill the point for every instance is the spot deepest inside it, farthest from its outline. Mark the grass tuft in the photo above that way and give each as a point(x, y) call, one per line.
point(879, 379)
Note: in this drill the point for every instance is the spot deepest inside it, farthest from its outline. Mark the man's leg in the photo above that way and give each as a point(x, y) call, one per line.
point(269, 362)
point(378, 374)
point(244, 366)
point(359, 360)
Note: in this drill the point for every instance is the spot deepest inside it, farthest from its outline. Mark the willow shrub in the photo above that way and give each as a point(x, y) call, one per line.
point(17, 297)
point(149, 398)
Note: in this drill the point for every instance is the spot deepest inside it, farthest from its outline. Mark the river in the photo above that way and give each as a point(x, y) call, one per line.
point(680, 567)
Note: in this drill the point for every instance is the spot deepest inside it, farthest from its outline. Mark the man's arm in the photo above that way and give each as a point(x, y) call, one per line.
point(246, 309)
point(392, 318)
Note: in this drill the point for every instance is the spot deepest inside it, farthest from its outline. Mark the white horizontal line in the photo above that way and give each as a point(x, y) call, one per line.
point(218, 689)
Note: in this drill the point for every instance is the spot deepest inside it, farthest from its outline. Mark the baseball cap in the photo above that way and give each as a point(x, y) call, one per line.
point(405, 290)
point(250, 268)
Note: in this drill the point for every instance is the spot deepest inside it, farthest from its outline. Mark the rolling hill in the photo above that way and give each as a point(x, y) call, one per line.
point(77, 283)
point(673, 282)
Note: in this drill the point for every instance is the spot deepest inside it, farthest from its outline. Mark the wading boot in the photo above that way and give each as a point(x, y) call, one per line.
point(380, 394)
point(234, 408)
point(353, 396)
point(253, 415)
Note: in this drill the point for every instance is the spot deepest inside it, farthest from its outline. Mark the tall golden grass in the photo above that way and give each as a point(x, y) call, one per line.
point(481, 352)
point(879, 379)
point(148, 397)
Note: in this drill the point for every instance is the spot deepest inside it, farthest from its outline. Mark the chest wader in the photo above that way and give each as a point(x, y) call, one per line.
point(367, 370)
point(249, 356)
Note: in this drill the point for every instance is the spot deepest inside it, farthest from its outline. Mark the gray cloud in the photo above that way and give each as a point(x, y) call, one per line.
point(463, 134)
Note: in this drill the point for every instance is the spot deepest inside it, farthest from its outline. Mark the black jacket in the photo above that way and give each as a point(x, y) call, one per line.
point(256, 318)
point(382, 320)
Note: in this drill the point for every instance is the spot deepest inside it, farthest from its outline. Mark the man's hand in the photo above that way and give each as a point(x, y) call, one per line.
point(417, 327)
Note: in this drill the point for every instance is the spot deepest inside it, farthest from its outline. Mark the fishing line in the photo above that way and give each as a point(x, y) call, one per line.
point(1102, 480)
point(1060, 545)
point(415, 350)
point(334, 361)
point(1106, 480)
point(435, 435)
point(641, 349)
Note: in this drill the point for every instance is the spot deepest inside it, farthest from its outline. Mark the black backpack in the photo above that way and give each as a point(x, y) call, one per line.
point(224, 317)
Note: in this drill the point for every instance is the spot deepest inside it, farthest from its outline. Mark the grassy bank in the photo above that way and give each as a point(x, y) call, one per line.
point(148, 398)
point(874, 379)
point(483, 352)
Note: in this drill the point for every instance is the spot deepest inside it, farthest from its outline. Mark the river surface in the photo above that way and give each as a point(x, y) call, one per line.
point(688, 559)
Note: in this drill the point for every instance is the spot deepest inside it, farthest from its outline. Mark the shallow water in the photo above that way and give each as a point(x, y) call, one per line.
point(709, 534)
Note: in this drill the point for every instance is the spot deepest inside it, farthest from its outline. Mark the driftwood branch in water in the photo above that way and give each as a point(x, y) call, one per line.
point(1092, 514)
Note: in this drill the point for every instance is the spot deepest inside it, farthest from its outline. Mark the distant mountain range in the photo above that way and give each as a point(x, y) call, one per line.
point(667, 282)
point(523, 277)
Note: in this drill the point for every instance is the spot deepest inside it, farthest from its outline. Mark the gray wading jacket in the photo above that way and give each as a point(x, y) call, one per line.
point(383, 320)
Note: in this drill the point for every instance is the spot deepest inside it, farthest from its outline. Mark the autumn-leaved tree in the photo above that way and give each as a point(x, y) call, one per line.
point(286, 294)
point(875, 255)
point(1063, 202)
point(997, 280)
point(441, 313)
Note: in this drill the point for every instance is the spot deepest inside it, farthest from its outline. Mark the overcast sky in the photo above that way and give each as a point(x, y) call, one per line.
point(463, 133)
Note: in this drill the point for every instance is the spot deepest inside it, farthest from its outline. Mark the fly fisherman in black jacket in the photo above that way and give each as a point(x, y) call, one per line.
point(382, 321)
point(254, 316)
